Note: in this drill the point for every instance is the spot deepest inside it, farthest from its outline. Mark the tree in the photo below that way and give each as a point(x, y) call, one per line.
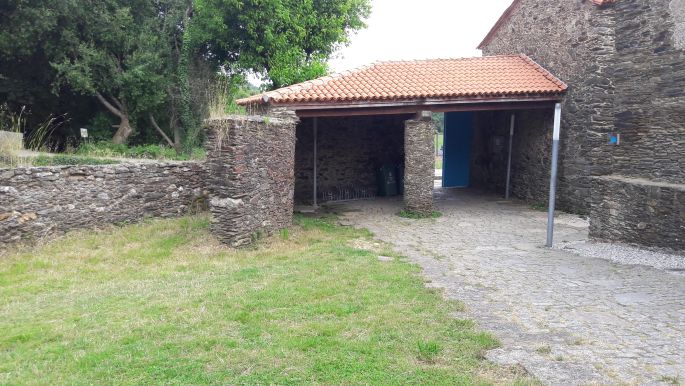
point(139, 59)
point(117, 60)
point(284, 41)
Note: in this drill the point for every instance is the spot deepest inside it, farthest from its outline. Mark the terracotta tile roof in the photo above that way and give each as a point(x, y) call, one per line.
point(510, 11)
point(449, 79)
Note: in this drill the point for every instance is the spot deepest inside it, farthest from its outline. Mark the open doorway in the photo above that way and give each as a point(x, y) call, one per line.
point(439, 120)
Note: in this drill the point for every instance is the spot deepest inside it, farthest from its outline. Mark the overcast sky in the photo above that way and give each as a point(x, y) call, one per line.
point(420, 29)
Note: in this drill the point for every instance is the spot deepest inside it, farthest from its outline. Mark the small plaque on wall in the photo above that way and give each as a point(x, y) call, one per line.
point(614, 139)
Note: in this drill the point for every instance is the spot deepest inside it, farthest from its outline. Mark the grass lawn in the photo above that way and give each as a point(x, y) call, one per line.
point(163, 303)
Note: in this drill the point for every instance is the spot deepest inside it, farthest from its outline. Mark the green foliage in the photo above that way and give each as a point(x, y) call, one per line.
point(439, 121)
point(36, 137)
point(139, 58)
point(428, 351)
point(65, 159)
point(11, 121)
point(109, 149)
point(539, 206)
point(418, 216)
point(100, 127)
point(284, 41)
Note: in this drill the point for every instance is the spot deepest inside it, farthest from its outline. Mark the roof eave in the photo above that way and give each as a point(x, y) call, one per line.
point(551, 97)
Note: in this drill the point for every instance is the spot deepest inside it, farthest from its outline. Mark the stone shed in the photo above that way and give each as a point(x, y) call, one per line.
point(341, 130)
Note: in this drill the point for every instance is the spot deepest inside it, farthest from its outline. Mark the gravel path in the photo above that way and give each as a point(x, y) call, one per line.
point(568, 318)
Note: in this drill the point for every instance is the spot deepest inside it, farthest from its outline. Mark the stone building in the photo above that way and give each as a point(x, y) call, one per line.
point(352, 125)
point(622, 97)
point(623, 137)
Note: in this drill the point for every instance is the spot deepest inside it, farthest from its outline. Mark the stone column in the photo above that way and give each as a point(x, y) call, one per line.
point(251, 175)
point(419, 164)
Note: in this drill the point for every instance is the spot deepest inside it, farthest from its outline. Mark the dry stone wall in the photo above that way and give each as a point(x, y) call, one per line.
point(638, 211)
point(250, 160)
point(42, 201)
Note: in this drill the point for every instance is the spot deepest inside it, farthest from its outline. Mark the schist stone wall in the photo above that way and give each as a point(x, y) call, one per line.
point(649, 79)
point(42, 201)
point(350, 150)
point(568, 38)
point(419, 148)
point(625, 66)
point(250, 162)
point(638, 211)
point(531, 152)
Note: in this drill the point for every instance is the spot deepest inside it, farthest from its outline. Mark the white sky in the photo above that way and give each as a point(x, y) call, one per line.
point(420, 29)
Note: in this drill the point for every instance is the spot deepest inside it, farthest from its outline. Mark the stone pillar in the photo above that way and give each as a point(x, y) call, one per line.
point(251, 175)
point(419, 164)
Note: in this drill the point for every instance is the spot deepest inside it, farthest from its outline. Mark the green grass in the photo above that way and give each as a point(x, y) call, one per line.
point(65, 159)
point(418, 216)
point(539, 206)
point(108, 149)
point(164, 303)
point(671, 380)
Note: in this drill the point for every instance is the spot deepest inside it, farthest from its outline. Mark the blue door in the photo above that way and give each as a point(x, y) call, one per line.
point(457, 149)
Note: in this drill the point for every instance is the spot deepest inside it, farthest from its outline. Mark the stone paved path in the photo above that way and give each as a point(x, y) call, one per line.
point(567, 319)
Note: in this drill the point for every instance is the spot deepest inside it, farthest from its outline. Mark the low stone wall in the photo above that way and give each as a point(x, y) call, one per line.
point(251, 162)
point(42, 201)
point(638, 211)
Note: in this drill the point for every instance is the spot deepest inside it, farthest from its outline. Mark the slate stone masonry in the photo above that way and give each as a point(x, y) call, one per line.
point(42, 201)
point(638, 211)
point(350, 151)
point(569, 38)
point(419, 150)
point(531, 152)
point(250, 161)
point(625, 66)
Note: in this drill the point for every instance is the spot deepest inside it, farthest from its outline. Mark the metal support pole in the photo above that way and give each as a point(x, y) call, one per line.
point(315, 172)
point(511, 141)
point(553, 178)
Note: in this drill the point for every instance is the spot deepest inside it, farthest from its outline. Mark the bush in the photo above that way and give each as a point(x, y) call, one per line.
point(64, 159)
point(418, 216)
point(109, 149)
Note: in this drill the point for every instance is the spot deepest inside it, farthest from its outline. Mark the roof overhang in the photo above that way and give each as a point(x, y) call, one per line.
point(494, 82)
point(414, 106)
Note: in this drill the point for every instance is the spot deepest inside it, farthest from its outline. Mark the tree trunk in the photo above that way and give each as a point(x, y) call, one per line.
point(177, 139)
point(123, 132)
point(119, 109)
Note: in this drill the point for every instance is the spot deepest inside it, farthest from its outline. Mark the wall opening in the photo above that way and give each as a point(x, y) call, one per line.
point(350, 153)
